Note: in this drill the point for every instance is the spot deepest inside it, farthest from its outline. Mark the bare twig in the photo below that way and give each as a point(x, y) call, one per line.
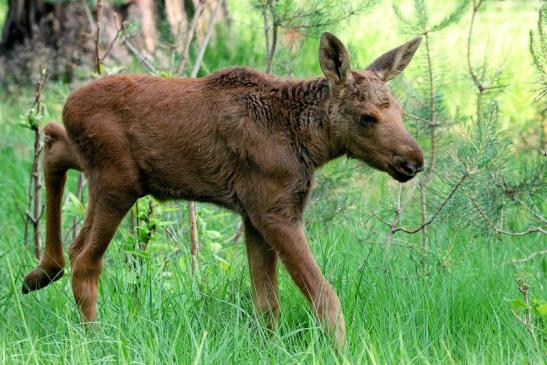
point(38, 147)
point(79, 194)
point(134, 50)
point(432, 105)
point(35, 206)
point(203, 47)
point(423, 212)
point(269, 15)
point(237, 235)
point(191, 32)
point(194, 243)
point(476, 81)
point(529, 257)
point(98, 35)
point(273, 42)
point(433, 145)
point(535, 214)
point(511, 193)
point(523, 288)
point(396, 220)
point(420, 119)
point(398, 212)
point(112, 42)
point(265, 10)
point(142, 58)
point(439, 209)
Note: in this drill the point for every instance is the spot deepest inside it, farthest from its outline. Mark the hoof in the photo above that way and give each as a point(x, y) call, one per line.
point(38, 278)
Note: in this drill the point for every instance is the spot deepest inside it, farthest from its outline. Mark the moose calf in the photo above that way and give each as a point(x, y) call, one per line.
point(238, 138)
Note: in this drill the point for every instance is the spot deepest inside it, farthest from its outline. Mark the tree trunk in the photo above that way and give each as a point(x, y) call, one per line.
point(39, 32)
point(178, 22)
point(148, 25)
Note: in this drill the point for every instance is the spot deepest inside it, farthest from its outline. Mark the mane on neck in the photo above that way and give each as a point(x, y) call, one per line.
point(249, 78)
point(298, 107)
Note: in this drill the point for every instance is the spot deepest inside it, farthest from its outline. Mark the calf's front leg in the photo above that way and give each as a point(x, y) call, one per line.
point(287, 237)
point(263, 268)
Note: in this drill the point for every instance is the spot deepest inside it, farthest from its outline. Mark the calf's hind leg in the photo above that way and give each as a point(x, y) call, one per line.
point(58, 158)
point(83, 234)
point(109, 210)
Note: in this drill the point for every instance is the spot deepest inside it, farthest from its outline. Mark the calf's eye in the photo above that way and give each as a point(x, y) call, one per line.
point(367, 120)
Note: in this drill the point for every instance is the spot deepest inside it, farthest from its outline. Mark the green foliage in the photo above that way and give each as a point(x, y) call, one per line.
point(74, 206)
point(483, 154)
point(312, 17)
point(147, 222)
point(419, 21)
point(538, 43)
point(538, 50)
point(485, 149)
point(453, 17)
point(32, 119)
point(537, 306)
point(3, 10)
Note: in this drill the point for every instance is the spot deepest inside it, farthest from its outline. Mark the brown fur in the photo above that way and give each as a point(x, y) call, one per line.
point(237, 138)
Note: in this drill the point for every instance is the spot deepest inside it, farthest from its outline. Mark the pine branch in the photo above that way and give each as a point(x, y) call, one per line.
point(453, 17)
point(511, 193)
point(439, 209)
point(408, 25)
point(421, 13)
point(499, 230)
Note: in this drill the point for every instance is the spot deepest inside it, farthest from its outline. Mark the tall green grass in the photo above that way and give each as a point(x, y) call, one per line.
point(458, 314)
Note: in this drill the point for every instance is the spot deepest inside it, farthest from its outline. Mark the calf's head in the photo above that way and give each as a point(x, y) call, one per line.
point(366, 118)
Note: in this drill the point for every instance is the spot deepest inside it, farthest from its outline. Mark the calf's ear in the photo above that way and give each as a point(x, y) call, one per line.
point(334, 59)
point(392, 63)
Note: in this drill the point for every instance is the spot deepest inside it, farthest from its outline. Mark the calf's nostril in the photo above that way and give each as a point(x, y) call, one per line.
point(408, 167)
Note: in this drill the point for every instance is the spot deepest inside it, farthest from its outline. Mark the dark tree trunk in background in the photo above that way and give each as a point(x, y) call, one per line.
point(56, 35)
point(60, 35)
